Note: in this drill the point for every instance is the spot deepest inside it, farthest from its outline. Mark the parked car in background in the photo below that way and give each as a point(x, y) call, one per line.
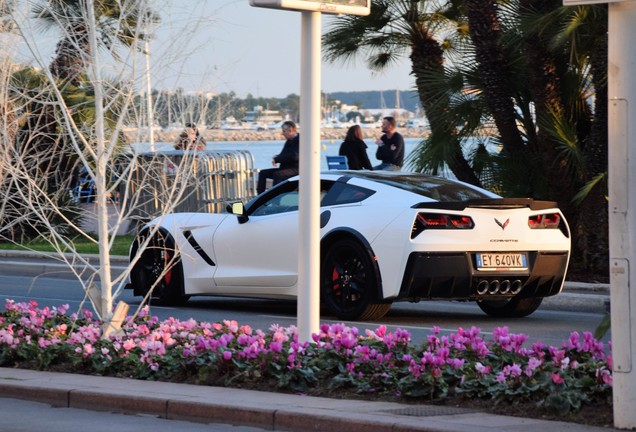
point(415, 123)
point(256, 126)
point(276, 126)
point(385, 237)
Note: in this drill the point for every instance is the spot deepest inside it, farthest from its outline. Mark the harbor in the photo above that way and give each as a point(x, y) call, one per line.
point(222, 135)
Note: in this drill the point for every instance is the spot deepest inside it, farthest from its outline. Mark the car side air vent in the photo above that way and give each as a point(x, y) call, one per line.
point(197, 247)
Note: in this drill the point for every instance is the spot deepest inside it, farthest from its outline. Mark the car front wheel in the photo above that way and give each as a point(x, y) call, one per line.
point(510, 308)
point(158, 269)
point(349, 281)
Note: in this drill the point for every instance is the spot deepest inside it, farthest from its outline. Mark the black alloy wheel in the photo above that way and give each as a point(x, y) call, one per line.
point(349, 282)
point(158, 269)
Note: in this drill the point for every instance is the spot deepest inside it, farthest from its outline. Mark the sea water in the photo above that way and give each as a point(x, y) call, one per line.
point(263, 151)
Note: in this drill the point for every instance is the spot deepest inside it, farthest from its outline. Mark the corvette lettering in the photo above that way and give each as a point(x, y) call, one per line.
point(504, 241)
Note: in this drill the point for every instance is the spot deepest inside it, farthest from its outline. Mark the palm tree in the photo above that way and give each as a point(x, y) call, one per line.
point(529, 66)
point(117, 24)
point(581, 33)
point(484, 28)
point(397, 28)
point(41, 141)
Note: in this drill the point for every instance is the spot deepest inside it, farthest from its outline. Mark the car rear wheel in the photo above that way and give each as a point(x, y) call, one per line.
point(349, 280)
point(158, 267)
point(510, 308)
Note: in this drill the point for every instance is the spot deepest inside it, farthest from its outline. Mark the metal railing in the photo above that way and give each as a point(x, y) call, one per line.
point(186, 181)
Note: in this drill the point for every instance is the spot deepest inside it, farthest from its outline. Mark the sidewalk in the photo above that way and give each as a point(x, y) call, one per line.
point(275, 411)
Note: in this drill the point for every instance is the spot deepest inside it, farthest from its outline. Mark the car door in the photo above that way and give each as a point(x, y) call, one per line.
point(262, 251)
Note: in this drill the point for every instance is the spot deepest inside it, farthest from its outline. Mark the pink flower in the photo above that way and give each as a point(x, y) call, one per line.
point(557, 379)
point(456, 363)
point(88, 349)
point(227, 355)
point(533, 364)
point(512, 371)
point(605, 376)
point(481, 369)
point(129, 344)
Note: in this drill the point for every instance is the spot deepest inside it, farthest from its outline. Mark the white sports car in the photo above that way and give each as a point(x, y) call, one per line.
point(385, 237)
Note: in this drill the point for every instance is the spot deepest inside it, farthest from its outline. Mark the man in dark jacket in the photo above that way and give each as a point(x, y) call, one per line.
point(390, 147)
point(287, 159)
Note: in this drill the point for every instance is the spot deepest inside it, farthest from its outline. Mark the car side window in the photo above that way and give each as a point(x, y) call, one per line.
point(281, 203)
point(344, 193)
point(284, 199)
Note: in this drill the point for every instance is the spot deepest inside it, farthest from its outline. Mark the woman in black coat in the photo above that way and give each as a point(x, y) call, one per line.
point(354, 148)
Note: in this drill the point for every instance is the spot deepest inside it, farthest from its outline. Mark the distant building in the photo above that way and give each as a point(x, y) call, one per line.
point(401, 115)
point(261, 115)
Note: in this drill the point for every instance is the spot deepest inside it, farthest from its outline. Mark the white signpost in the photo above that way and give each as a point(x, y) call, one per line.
point(308, 315)
point(588, 2)
point(352, 7)
point(622, 195)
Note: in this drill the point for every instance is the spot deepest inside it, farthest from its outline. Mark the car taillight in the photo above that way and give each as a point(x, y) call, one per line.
point(548, 220)
point(425, 221)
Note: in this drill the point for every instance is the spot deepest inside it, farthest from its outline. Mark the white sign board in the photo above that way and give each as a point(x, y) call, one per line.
point(351, 7)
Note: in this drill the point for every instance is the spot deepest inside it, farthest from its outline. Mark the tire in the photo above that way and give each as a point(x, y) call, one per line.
point(157, 267)
point(512, 308)
point(349, 282)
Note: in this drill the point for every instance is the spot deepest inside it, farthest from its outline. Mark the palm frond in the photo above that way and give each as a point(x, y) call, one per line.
point(584, 192)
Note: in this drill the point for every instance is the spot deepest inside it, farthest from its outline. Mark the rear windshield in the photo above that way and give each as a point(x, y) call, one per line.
point(437, 188)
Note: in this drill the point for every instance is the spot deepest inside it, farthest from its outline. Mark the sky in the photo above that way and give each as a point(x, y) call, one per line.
point(220, 46)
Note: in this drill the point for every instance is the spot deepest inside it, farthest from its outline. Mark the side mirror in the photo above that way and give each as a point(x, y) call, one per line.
point(238, 209)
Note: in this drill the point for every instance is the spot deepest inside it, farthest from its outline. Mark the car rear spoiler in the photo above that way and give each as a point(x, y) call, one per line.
point(491, 203)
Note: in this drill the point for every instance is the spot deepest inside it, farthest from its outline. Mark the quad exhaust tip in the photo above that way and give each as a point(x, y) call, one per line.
point(496, 286)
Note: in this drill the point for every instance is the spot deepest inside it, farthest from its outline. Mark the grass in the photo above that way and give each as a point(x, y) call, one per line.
point(81, 245)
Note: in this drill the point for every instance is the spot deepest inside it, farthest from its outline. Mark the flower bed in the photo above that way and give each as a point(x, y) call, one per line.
point(384, 364)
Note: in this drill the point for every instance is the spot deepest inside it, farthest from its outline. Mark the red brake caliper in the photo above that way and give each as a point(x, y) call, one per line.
point(335, 279)
point(168, 276)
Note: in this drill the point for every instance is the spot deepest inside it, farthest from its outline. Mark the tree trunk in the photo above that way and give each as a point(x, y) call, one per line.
point(426, 58)
point(483, 25)
point(595, 220)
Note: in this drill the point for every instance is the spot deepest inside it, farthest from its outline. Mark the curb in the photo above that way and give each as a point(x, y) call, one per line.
point(273, 411)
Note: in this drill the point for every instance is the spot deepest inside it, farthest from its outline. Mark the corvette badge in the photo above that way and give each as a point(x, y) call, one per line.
point(502, 225)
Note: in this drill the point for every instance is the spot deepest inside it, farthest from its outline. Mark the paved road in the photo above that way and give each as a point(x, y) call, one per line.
point(552, 326)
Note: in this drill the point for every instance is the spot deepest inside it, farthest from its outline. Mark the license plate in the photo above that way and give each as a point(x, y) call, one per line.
point(497, 261)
